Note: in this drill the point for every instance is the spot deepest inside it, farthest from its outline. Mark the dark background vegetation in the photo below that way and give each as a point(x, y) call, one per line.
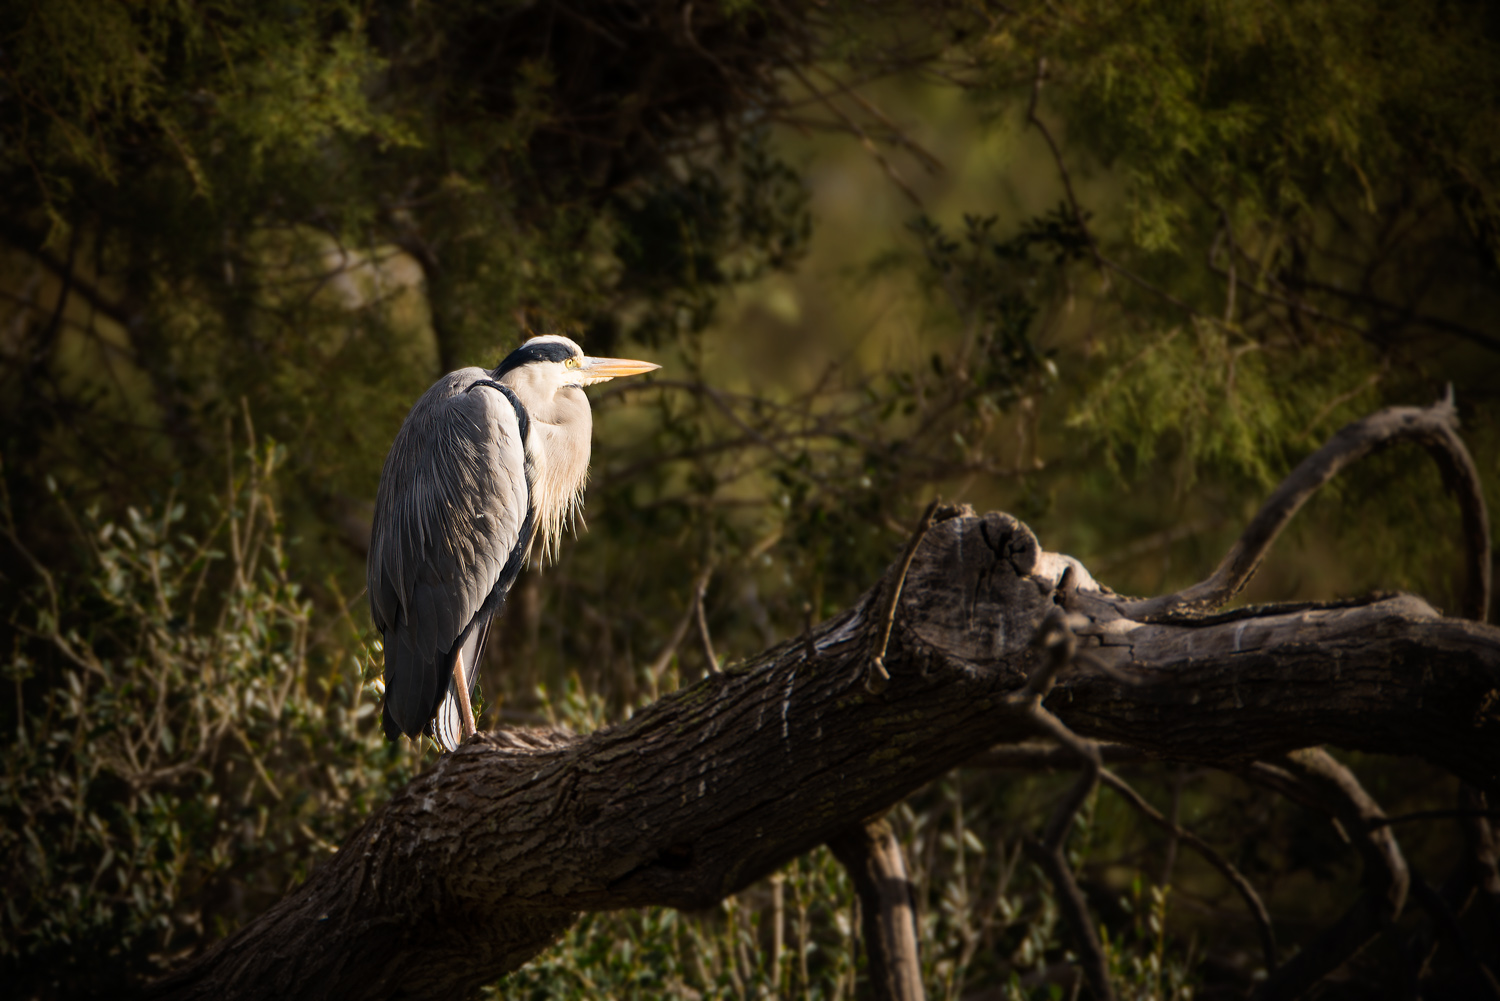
point(1111, 267)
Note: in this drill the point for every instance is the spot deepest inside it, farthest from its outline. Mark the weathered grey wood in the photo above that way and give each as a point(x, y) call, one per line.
point(1391, 676)
point(485, 858)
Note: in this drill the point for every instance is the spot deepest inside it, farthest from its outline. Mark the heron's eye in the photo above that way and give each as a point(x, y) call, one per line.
point(571, 362)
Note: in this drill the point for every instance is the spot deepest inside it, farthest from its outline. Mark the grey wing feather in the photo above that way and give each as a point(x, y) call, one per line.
point(452, 502)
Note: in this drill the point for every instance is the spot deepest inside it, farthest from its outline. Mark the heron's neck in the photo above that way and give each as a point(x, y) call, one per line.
point(558, 449)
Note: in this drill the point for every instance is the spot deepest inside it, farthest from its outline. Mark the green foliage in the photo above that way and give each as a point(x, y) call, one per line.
point(730, 951)
point(1283, 206)
point(1220, 401)
point(319, 210)
point(681, 242)
point(178, 759)
point(1271, 110)
point(1150, 973)
point(99, 89)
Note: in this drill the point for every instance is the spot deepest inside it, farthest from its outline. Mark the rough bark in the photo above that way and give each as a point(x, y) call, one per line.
point(1390, 676)
point(485, 859)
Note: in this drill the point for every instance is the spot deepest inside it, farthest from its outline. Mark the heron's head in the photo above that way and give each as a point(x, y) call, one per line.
point(548, 374)
point(546, 364)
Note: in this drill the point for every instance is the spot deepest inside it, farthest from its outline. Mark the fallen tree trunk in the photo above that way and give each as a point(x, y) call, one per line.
point(483, 860)
point(486, 858)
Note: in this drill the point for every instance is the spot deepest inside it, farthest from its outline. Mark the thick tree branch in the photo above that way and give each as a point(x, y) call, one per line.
point(1385, 677)
point(716, 786)
point(484, 859)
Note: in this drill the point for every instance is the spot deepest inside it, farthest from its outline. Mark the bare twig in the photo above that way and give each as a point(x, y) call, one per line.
point(679, 632)
point(1364, 385)
point(1226, 868)
point(1406, 314)
point(878, 677)
point(1054, 637)
point(1433, 427)
point(1157, 540)
point(1315, 779)
point(1048, 854)
point(859, 133)
point(1293, 302)
point(1059, 643)
point(1056, 831)
point(703, 634)
point(1402, 818)
point(35, 246)
point(1035, 122)
point(897, 136)
point(1484, 846)
point(1105, 264)
point(1446, 922)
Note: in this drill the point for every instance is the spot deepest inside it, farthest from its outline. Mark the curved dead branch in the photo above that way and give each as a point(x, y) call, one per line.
point(1315, 779)
point(1434, 427)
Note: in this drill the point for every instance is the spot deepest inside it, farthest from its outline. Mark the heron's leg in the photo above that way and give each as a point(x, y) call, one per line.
point(465, 711)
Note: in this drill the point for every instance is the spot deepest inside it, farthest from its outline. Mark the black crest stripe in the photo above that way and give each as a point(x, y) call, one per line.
point(526, 353)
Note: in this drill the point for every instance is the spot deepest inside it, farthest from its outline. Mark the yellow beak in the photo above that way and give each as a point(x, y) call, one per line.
point(613, 368)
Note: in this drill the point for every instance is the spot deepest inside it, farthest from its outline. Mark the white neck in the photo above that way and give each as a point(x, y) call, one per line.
point(557, 449)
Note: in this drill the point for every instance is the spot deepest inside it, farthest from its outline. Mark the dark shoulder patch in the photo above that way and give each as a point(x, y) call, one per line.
point(526, 353)
point(522, 418)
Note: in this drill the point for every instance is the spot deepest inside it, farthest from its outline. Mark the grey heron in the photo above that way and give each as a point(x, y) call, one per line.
point(488, 465)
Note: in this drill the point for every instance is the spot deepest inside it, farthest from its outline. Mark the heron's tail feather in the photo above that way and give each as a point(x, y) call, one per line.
point(412, 686)
point(447, 727)
point(389, 724)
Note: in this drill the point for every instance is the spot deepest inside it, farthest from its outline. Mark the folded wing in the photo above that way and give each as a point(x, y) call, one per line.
point(450, 519)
